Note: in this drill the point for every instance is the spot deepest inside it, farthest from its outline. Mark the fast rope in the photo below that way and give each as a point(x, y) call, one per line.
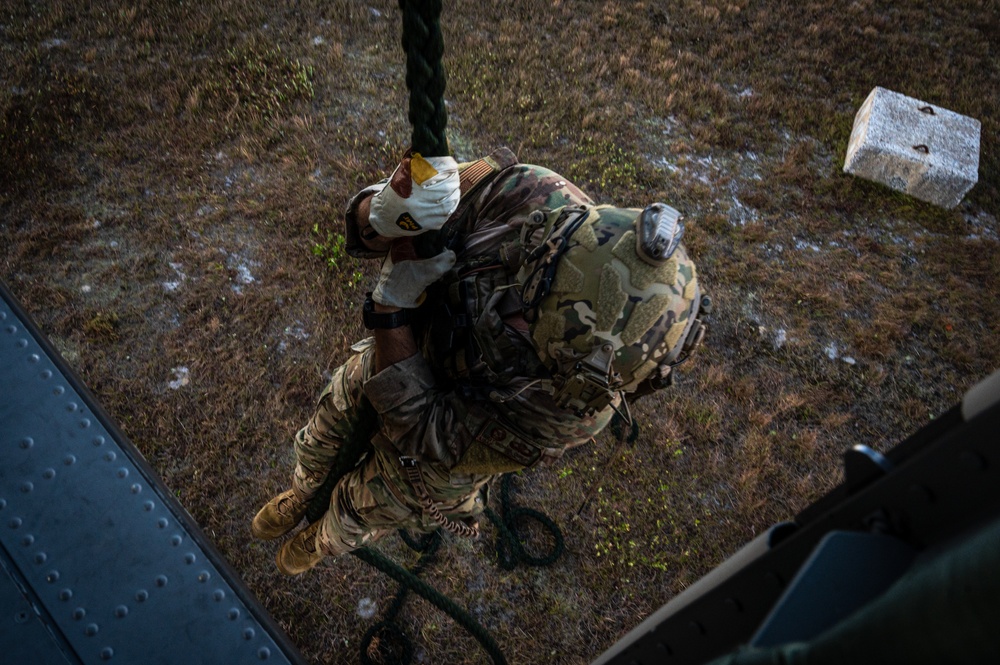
point(385, 642)
point(425, 79)
point(356, 432)
point(510, 547)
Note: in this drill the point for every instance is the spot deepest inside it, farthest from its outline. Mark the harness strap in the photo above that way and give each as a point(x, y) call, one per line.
point(417, 482)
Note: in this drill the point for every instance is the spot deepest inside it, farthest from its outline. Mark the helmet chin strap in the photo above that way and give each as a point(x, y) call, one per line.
point(627, 416)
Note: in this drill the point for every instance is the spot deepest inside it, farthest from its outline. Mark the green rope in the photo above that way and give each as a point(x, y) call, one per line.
point(510, 547)
point(386, 638)
point(392, 644)
point(425, 79)
point(433, 596)
point(356, 432)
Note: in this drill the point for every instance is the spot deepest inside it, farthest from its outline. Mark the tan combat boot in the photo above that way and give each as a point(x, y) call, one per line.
point(301, 552)
point(279, 516)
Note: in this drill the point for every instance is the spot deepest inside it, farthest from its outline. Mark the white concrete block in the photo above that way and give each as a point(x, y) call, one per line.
point(914, 147)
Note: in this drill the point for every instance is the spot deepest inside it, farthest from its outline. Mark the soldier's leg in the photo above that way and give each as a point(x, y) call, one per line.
point(377, 499)
point(316, 446)
point(372, 501)
point(365, 506)
point(361, 512)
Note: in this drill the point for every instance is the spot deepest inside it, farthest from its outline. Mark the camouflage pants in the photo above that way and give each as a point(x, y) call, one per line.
point(375, 498)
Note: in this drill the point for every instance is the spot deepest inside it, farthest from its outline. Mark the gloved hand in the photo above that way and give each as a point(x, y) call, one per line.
point(405, 277)
point(420, 196)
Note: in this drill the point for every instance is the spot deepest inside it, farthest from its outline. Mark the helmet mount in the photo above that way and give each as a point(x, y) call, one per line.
point(591, 384)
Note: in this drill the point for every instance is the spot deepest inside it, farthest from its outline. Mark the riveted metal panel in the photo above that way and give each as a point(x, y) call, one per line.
point(104, 551)
point(26, 632)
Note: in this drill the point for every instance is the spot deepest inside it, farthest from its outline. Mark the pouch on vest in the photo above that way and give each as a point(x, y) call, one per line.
point(499, 449)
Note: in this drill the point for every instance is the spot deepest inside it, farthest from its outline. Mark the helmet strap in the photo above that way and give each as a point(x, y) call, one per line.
point(543, 259)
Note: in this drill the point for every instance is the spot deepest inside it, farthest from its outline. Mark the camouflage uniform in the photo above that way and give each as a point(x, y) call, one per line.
point(479, 400)
point(429, 411)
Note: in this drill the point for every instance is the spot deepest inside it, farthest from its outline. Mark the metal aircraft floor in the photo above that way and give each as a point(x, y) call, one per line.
point(98, 562)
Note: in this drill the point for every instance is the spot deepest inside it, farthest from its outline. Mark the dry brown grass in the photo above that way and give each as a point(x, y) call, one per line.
point(155, 157)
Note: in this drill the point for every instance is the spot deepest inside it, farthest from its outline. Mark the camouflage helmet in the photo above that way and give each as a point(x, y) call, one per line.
point(609, 291)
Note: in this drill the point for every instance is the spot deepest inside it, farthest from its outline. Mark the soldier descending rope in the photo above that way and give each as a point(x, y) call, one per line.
point(516, 339)
point(511, 317)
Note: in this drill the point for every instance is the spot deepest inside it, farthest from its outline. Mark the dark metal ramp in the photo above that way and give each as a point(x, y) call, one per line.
point(98, 563)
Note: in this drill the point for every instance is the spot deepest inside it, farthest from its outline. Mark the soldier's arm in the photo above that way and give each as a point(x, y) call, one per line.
point(392, 345)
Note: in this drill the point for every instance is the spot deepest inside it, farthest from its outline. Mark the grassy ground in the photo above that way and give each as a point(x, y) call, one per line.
point(166, 171)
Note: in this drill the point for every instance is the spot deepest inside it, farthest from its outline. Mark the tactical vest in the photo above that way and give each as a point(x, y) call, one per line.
point(465, 338)
point(463, 335)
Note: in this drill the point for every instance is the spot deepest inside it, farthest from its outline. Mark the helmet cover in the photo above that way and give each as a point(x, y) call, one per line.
point(604, 290)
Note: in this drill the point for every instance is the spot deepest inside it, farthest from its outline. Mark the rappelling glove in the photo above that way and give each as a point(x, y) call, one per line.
point(404, 277)
point(420, 196)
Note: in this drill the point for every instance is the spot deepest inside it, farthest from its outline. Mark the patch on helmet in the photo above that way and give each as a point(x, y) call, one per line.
point(674, 334)
point(585, 234)
point(691, 288)
point(549, 326)
point(611, 298)
point(644, 316)
point(642, 274)
point(569, 278)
